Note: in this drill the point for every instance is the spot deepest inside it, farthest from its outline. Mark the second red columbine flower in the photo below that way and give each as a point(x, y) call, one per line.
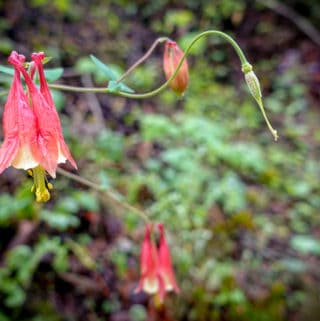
point(33, 136)
point(157, 274)
point(171, 58)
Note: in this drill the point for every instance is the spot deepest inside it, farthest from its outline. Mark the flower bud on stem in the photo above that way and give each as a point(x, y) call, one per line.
point(171, 58)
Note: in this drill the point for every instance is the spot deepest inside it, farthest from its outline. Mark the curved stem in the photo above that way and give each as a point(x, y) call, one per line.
point(226, 37)
point(143, 58)
point(236, 47)
point(246, 68)
point(109, 194)
point(272, 130)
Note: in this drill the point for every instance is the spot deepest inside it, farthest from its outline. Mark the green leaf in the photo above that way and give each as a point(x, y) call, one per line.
point(113, 85)
point(46, 60)
point(53, 74)
point(103, 67)
point(7, 70)
point(125, 88)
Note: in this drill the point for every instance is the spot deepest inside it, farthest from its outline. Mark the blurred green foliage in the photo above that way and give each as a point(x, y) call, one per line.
point(241, 212)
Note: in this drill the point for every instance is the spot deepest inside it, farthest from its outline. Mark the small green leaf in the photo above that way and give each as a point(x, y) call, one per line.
point(103, 67)
point(125, 88)
point(53, 74)
point(113, 85)
point(46, 60)
point(7, 70)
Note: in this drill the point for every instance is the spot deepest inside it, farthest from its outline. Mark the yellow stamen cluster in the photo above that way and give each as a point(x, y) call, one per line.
point(41, 186)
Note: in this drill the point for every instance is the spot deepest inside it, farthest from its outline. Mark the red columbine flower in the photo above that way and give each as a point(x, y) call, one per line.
point(50, 142)
point(165, 265)
point(171, 58)
point(19, 125)
point(157, 275)
point(150, 280)
point(46, 147)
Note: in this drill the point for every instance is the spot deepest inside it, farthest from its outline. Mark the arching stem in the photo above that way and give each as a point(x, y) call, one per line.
point(245, 66)
point(107, 192)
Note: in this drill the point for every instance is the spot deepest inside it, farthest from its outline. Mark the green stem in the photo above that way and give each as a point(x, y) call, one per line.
point(246, 67)
point(143, 58)
point(109, 194)
point(238, 50)
point(152, 93)
point(272, 130)
point(80, 89)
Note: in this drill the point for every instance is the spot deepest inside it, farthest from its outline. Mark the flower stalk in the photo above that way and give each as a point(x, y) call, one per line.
point(250, 77)
point(107, 192)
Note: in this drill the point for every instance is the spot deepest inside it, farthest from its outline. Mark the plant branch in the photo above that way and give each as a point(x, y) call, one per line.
point(113, 197)
point(143, 58)
point(246, 67)
point(80, 89)
point(152, 93)
point(226, 37)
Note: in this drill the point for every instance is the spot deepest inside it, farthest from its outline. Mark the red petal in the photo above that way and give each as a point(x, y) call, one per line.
point(149, 264)
point(47, 144)
point(171, 58)
point(165, 265)
point(18, 118)
point(8, 151)
point(45, 91)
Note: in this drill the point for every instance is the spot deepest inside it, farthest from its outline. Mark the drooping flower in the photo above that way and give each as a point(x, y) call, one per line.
point(157, 275)
point(19, 125)
point(33, 135)
point(150, 280)
point(165, 265)
point(171, 58)
point(50, 142)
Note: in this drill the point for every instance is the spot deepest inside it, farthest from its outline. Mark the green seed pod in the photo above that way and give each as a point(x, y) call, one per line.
point(252, 82)
point(254, 85)
point(255, 90)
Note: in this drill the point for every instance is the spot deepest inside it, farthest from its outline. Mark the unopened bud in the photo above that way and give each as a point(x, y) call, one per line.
point(171, 58)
